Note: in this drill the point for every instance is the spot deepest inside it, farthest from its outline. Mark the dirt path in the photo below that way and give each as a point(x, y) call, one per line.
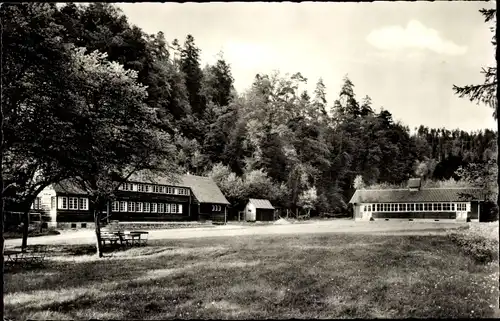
point(319, 227)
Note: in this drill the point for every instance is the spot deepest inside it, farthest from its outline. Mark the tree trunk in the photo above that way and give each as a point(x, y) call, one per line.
point(1, 236)
point(98, 232)
point(498, 163)
point(26, 223)
point(2, 147)
point(108, 211)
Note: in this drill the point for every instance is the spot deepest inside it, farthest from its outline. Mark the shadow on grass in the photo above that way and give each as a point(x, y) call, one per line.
point(249, 277)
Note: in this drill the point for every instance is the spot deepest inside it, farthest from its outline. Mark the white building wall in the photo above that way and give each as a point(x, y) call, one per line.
point(47, 205)
point(250, 212)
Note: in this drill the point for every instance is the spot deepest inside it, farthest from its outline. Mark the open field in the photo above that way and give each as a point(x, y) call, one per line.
point(325, 275)
point(231, 230)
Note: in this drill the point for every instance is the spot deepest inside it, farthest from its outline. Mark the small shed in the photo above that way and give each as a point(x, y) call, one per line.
point(259, 210)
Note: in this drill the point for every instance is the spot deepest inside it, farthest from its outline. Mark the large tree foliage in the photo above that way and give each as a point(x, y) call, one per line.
point(486, 93)
point(117, 133)
point(35, 99)
point(71, 114)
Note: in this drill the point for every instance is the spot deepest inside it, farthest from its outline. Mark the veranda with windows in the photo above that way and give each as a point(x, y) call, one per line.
point(416, 207)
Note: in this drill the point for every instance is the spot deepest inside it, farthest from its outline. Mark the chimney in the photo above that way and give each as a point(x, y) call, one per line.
point(414, 184)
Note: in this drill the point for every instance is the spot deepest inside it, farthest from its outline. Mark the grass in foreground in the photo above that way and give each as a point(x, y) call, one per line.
point(19, 234)
point(258, 277)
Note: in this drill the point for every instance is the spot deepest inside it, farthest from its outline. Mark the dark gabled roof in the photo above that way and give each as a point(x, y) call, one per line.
point(155, 178)
point(422, 195)
point(261, 203)
point(204, 188)
point(69, 187)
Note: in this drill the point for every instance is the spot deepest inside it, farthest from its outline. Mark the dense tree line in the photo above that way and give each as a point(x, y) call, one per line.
point(275, 140)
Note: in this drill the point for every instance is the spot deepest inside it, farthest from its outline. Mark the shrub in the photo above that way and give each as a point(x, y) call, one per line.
point(479, 241)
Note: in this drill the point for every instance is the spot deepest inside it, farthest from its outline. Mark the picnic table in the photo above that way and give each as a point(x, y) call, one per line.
point(127, 238)
point(32, 255)
point(133, 237)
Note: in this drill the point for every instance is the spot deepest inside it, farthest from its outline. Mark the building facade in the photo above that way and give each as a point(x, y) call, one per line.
point(140, 199)
point(416, 203)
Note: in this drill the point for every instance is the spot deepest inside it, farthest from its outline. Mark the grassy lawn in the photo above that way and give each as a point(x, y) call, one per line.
point(18, 234)
point(257, 277)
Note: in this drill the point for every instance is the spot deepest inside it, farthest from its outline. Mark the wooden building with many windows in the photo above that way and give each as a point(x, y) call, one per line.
point(416, 203)
point(141, 198)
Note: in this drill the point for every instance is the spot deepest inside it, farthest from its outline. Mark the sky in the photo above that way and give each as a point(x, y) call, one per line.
point(405, 55)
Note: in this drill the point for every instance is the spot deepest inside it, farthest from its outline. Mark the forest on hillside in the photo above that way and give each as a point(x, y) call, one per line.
point(275, 140)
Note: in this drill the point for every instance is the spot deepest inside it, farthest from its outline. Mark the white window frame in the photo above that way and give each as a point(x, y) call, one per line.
point(173, 208)
point(138, 206)
point(145, 207)
point(62, 203)
point(131, 207)
point(161, 189)
point(147, 188)
point(154, 208)
point(161, 208)
point(168, 190)
point(115, 206)
point(73, 203)
point(167, 207)
point(123, 206)
point(83, 203)
point(140, 187)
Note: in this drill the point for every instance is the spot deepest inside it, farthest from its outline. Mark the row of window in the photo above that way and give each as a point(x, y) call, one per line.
point(146, 188)
point(71, 203)
point(415, 207)
point(144, 207)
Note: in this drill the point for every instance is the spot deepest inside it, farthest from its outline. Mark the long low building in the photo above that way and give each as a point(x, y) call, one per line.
point(141, 198)
point(416, 203)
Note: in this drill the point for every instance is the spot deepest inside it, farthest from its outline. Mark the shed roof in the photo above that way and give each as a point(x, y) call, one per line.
point(422, 195)
point(414, 183)
point(261, 203)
